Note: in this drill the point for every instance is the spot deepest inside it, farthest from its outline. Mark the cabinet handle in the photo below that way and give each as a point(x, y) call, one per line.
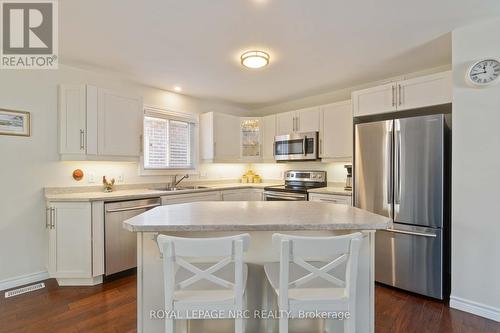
point(400, 96)
point(215, 149)
point(393, 95)
point(82, 139)
point(53, 219)
point(141, 143)
point(274, 148)
point(47, 218)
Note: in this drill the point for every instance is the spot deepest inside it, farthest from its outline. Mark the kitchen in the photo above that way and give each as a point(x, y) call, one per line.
point(300, 144)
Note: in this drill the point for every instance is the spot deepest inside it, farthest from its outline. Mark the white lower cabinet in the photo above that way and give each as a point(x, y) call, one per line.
point(249, 194)
point(69, 225)
point(190, 197)
point(332, 198)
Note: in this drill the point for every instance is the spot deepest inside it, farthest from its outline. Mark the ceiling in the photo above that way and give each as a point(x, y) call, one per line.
point(315, 46)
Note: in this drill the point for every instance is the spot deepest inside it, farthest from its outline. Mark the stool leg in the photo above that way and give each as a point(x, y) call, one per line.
point(349, 325)
point(169, 326)
point(283, 325)
point(238, 325)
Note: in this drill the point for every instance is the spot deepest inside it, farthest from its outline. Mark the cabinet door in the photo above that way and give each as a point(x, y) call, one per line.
point(380, 99)
point(207, 143)
point(186, 198)
point(285, 123)
point(251, 138)
point(236, 195)
point(268, 134)
point(119, 124)
point(248, 194)
point(425, 91)
point(70, 240)
point(226, 137)
point(336, 131)
point(72, 119)
point(308, 120)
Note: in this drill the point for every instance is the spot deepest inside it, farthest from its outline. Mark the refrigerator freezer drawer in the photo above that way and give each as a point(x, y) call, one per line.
point(410, 258)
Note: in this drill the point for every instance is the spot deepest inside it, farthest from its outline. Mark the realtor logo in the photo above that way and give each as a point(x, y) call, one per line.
point(29, 35)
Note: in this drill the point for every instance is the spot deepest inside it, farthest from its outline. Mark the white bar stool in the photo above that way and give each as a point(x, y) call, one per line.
point(304, 281)
point(203, 285)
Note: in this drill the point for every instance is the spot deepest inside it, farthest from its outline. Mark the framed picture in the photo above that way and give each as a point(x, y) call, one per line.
point(15, 123)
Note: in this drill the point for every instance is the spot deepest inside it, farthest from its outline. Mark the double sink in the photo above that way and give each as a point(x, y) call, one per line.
point(185, 188)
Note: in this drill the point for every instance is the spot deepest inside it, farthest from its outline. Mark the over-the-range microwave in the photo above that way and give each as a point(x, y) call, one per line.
point(296, 147)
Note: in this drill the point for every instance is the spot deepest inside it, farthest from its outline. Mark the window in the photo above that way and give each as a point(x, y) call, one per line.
point(168, 141)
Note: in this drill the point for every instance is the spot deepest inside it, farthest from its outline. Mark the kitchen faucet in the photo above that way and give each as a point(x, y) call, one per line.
point(176, 182)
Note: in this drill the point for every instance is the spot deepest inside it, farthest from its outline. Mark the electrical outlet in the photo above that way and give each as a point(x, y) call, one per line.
point(121, 178)
point(91, 177)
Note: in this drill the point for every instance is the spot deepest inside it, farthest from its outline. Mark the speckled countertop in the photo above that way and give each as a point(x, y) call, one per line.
point(255, 216)
point(66, 194)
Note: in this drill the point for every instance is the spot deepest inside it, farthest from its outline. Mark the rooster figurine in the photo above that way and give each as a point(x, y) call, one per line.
point(108, 186)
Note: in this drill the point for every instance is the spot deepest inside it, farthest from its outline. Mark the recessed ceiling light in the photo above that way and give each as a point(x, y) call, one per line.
point(255, 59)
point(177, 88)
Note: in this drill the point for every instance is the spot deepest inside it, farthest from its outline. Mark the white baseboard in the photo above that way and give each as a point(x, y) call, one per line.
point(23, 279)
point(476, 308)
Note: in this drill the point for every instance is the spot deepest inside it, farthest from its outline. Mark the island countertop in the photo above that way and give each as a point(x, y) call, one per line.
point(255, 216)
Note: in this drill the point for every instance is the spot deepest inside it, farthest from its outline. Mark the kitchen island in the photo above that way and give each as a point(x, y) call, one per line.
point(260, 220)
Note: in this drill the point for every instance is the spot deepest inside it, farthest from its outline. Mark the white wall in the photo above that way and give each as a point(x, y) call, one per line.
point(29, 164)
point(476, 182)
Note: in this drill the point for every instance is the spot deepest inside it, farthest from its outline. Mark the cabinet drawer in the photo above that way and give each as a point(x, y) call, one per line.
point(332, 198)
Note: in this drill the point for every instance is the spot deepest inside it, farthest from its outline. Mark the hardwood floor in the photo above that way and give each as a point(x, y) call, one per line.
point(397, 311)
point(110, 308)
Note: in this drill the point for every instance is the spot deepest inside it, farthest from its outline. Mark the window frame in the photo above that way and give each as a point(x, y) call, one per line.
point(153, 111)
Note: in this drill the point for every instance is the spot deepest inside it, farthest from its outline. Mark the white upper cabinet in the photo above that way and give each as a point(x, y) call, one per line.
point(403, 95)
point(268, 134)
point(335, 140)
point(308, 120)
point(220, 137)
point(251, 138)
point(72, 119)
point(285, 123)
point(379, 99)
point(97, 124)
point(425, 91)
point(304, 120)
point(119, 124)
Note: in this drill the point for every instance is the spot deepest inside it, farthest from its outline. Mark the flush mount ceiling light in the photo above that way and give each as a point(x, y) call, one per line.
point(255, 59)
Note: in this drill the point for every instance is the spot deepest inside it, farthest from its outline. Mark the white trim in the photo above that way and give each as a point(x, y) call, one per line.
point(23, 279)
point(476, 308)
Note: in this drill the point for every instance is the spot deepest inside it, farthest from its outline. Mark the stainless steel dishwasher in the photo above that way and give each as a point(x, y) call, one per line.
point(121, 244)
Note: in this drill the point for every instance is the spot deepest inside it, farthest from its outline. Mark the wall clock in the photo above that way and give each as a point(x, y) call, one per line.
point(484, 72)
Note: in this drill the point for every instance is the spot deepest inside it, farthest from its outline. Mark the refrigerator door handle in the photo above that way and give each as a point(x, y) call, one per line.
point(411, 233)
point(389, 167)
point(397, 164)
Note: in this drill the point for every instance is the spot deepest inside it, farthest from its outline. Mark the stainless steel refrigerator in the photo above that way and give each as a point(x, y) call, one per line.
point(401, 170)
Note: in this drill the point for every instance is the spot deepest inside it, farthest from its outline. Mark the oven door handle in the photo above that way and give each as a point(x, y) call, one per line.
point(284, 196)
